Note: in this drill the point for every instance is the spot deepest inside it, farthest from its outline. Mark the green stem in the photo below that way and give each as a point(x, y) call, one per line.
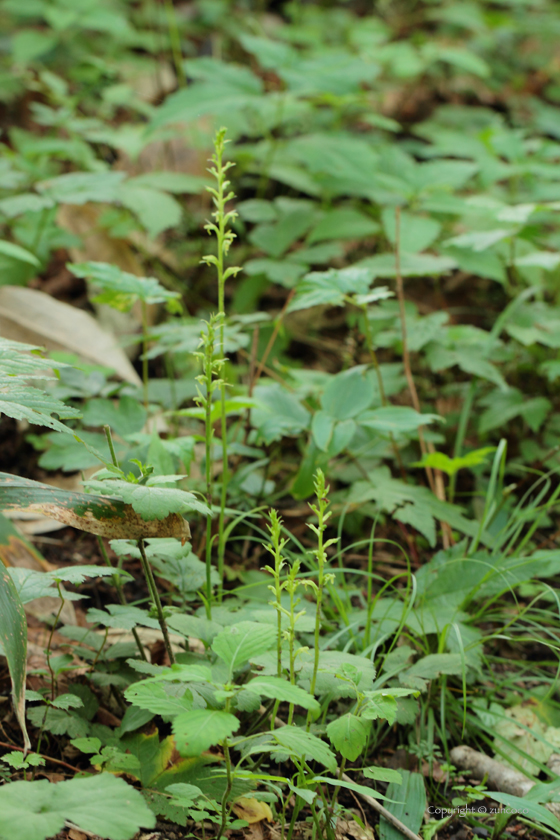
point(150, 580)
point(229, 785)
point(48, 652)
point(120, 592)
point(175, 39)
point(209, 493)
point(108, 435)
point(145, 352)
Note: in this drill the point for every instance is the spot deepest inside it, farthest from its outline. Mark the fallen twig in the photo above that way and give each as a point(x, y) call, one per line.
point(387, 815)
point(46, 757)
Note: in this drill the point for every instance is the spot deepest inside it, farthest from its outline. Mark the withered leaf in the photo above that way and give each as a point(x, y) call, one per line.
point(101, 515)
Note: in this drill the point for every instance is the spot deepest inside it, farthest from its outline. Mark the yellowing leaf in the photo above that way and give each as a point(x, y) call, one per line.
point(252, 810)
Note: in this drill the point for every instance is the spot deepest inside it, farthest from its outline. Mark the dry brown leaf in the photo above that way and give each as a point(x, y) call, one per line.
point(351, 828)
point(252, 810)
point(33, 317)
point(254, 832)
point(129, 526)
point(75, 834)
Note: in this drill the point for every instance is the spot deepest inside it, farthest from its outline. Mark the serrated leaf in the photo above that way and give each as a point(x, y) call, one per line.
point(382, 706)
point(123, 617)
point(331, 287)
point(149, 501)
point(279, 689)
point(159, 699)
point(348, 735)
point(198, 730)
point(441, 461)
point(237, 644)
point(58, 721)
point(121, 287)
point(305, 745)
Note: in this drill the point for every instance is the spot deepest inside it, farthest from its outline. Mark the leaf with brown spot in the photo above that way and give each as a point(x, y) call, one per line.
point(101, 515)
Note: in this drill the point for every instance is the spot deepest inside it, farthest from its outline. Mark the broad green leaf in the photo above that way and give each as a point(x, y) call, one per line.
point(24, 402)
point(416, 232)
point(408, 805)
point(431, 666)
point(120, 288)
point(37, 810)
point(16, 252)
point(332, 287)
point(396, 419)
point(305, 745)
point(382, 774)
point(173, 182)
point(149, 501)
point(348, 735)
point(121, 616)
point(548, 260)
point(156, 210)
point(223, 89)
point(279, 689)
point(236, 644)
point(278, 413)
point(191, 625)
point(343, 223)
point(17, 205)
point(13, 637)
point(411, 265)
point(81, 187)
point(159, 699)
point(363, 789)
point(322, 427)
point(349, 393)
point(125, 417)
point(198, 730)
point(441, 461)
point(479, 240)
point(382, 706)
point(525, 806)
point(96, 514)
point(58, 721)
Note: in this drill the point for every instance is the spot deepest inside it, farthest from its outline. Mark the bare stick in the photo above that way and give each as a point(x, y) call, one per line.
point(272, 338)
point(387, 815)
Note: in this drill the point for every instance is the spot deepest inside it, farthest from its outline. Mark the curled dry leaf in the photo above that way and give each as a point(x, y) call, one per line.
point(33, 317)
point(101, 515)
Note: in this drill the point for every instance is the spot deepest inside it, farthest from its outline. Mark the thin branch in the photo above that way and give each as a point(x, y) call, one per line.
point(435, 482)
point(46, 757)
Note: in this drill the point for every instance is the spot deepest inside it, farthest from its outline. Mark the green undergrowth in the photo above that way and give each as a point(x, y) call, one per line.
point(334, 471)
